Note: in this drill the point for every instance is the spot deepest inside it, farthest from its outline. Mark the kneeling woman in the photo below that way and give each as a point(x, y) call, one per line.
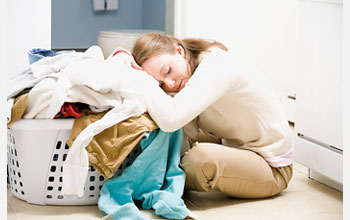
point(239, 139)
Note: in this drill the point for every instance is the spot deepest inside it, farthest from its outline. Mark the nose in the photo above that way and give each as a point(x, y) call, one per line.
point(170, 83)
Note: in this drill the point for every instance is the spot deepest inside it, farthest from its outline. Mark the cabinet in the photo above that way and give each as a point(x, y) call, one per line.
point(319, 96)
point(298, 45)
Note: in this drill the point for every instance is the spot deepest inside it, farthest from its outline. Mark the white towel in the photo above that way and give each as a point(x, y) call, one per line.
point(99, 5)
point(112, 4)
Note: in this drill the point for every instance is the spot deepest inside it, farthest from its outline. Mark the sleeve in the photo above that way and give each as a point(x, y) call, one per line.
point(210, 81)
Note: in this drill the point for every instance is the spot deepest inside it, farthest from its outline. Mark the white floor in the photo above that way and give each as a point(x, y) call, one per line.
point(304, 199)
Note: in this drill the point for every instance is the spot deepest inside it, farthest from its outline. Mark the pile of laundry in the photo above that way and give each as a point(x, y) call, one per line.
point(104, 97)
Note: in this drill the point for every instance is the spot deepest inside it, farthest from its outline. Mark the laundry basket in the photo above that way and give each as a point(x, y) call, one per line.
point(36, 151)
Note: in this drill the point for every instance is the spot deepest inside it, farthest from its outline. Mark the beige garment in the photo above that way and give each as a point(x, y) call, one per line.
point(233, 101)
point(107, 150)
point(235, 172)
point(242, 173)
point(18, 108)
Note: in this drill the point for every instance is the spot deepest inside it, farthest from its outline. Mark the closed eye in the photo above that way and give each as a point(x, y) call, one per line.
point(169, 70)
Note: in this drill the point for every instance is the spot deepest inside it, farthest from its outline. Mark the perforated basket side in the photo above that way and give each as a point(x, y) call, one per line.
point(35, 162)
point(30, 146)
point(14, 168)
point(28, 160)
point(94, 181)
point(54, 182)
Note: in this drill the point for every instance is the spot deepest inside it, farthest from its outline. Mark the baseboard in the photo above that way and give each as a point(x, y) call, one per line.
point(325, 180)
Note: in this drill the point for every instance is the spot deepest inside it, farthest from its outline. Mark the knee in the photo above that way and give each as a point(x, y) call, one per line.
point(199, 167)
point(196, 158)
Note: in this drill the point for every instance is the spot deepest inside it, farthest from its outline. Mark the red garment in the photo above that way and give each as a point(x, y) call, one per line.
point(70, 109)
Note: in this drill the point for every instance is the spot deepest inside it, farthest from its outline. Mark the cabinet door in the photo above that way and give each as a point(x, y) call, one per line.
point(319, 82)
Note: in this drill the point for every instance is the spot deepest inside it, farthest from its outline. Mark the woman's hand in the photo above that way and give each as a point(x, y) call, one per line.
point(126, 59)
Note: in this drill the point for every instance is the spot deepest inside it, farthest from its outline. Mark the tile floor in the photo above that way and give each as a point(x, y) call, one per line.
point(304, 199)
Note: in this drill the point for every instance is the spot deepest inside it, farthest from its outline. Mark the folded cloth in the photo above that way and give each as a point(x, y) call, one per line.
point(36, 54)
point(23, 80)
point(48, 67)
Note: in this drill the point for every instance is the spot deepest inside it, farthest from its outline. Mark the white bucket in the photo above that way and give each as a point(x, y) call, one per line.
point(108, 40)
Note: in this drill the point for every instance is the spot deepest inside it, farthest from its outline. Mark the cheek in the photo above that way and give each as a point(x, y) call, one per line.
point(183, 70)
point(149, 72)
point(187, 70)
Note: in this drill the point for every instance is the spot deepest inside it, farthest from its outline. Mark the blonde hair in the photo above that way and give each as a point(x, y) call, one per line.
point(152, 44)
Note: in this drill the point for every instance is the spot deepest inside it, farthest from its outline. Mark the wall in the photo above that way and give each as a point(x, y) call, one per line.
point(3, 130)
point(153, 14)
point(76, 25)
point(263, 33)
point(346, 100)
point(28, 26)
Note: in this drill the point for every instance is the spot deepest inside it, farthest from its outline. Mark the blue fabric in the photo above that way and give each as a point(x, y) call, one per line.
point(154, 177)
point(36, 54)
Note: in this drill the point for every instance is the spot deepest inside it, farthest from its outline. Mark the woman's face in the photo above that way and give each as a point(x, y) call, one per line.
point(172, 71)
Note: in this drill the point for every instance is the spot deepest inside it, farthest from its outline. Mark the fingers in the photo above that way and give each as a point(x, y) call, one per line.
point(128, 60)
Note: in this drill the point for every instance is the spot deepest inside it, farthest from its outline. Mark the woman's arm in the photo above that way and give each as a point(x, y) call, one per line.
point(210, 81)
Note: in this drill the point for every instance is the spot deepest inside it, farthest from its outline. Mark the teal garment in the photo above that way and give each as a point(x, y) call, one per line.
point(154, 177)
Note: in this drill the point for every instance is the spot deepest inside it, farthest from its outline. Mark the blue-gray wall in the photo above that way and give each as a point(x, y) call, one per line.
point(153, 14)
point(76, 25)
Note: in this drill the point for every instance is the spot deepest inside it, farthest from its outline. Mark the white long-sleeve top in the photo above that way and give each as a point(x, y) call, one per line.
point(231, 101)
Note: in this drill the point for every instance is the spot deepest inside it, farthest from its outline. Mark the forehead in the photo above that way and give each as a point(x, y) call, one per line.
point(154, 64)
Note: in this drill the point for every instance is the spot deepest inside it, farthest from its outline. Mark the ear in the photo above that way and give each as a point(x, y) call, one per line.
point(180, 50)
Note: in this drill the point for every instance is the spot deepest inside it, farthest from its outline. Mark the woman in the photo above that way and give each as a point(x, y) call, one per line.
point(240, 141)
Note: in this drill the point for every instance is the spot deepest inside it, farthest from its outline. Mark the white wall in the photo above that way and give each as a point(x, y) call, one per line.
point(346, 102)
point(3, 130)
point(23, 25)
point(264, 32)
point(28, 26)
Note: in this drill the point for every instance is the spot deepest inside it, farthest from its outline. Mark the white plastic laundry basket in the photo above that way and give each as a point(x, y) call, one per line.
point(36, 151)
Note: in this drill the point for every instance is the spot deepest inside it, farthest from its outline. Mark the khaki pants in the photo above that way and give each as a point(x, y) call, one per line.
point(235, 172)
